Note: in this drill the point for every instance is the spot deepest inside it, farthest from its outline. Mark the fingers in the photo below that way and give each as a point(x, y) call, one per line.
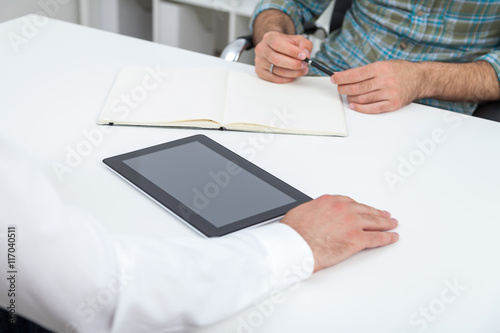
point(375, 225)
point(378, 223)
point(367, 218)
point(266, 75)
point(286, 53)
point(279, 74)
point(303, 43)
point(367, 98)
point(363, 90)
point(359, 88)
point(295, 47)
point(377, 239)
point(364, 217)
point(376, 107)
point(382, 86)
point(336, 227)
point(354, 75)
point(359, 208)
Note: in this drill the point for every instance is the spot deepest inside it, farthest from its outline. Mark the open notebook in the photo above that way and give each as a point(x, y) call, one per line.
point(220, 99)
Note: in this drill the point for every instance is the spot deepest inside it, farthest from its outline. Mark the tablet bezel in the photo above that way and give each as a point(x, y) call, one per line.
point(187, 215)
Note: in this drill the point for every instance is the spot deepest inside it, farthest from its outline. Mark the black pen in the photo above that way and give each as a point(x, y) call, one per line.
point(318, 66)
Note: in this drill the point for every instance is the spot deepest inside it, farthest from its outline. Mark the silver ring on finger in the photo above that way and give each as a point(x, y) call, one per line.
point(271, 68)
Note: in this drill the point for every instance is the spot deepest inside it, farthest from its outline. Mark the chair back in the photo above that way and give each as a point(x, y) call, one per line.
point(338, 13)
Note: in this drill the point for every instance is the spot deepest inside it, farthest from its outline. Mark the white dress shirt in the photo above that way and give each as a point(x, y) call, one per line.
point(73, 276)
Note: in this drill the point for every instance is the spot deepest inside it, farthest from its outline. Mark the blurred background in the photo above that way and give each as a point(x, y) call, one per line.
point(204, 26)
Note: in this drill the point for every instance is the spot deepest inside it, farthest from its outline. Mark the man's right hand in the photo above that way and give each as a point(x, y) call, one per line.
point(286, 52)
point(337, 227)
point(277, 44)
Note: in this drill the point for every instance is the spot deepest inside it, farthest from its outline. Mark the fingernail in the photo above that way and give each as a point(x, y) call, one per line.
point(395, 234)
point(386, 213)
point(332, 80)
point(351, 106)
point(308, 53)
point(302, 56)
point(306, 71)
point(304, 65)
point(394, 221)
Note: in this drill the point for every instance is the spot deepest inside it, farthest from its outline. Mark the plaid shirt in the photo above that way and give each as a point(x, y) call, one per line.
point(428, 30)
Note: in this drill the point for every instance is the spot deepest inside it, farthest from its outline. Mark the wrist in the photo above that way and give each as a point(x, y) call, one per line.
point(460, 82)
point(423, 77)
point(272, 20)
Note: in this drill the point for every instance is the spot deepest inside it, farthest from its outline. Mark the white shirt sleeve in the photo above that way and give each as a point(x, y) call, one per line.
point(73, 276)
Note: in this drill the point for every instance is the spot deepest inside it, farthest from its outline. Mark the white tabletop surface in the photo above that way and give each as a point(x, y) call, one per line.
point(442, 276)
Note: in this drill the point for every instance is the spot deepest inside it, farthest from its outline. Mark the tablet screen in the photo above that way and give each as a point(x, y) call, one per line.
point(207, 186)
point(214, 187)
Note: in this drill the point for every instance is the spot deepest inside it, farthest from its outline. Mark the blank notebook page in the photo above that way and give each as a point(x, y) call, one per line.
point(307, 104)
point(175, 95)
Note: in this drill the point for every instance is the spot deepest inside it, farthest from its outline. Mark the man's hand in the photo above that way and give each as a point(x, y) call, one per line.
point(389, 85)
point(337, 227)
point(286, 53)
point(381, 86)
point(277, 44)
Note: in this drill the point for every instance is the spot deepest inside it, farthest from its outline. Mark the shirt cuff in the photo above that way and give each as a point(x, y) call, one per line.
point(289, 255)
point(494, 59)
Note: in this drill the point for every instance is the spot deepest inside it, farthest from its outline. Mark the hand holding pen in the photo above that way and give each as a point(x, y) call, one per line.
point(377, 87)
point(279, 58)
point(318, 67)
point(282, 58)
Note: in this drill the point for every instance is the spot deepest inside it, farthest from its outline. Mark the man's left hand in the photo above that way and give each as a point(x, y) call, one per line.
point(381, 86)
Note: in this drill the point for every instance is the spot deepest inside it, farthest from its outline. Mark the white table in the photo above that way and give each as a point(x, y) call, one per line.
point(51, 93)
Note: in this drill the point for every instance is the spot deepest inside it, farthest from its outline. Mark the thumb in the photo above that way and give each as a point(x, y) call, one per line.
point(304, 44)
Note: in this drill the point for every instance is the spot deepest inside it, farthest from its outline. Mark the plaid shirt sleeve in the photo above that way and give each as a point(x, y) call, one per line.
point(299, 11)
point(494, 59)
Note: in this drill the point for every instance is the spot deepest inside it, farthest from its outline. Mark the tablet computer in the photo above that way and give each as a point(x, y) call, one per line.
point(207, 186)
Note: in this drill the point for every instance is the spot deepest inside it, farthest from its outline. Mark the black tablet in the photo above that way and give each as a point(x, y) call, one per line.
point(207, 186)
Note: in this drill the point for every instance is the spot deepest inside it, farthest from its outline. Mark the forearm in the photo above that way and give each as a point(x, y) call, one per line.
point(194, 282)
point(285, 16)
point(470, 82)
point(272, 20)
point(73, 274)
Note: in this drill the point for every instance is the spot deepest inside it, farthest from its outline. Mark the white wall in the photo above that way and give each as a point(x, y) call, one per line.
point(204, 30)
point(128, 17)
point(136, 19)
point(67, 10)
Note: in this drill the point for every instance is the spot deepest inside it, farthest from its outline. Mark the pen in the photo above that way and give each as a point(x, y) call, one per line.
point(318, 66)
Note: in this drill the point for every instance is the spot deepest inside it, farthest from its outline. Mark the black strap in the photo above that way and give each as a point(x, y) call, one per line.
point(338, 13)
